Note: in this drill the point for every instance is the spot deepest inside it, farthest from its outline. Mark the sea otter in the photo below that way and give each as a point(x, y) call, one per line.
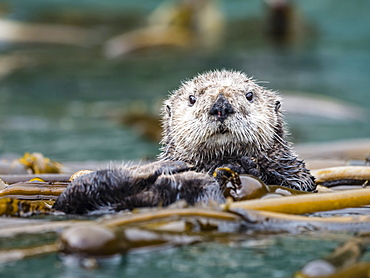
point(219, 118)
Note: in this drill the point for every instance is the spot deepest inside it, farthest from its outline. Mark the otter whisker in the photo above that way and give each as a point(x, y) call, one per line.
point(252, 127)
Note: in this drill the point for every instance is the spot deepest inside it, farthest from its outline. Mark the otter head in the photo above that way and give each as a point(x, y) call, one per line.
point(217, 115)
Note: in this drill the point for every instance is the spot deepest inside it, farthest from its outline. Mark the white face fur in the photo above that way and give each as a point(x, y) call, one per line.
point(192, 132)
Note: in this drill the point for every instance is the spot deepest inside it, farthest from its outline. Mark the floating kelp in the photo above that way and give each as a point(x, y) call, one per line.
point(281, 222)
point(36, 227)
point(30, 163)
point(309, 203)
point(172, 214)
point(99, 240)
point(10, 179)
point(36, 189)
point(116, 234)
point(247, 187)
point(143, 122)
point(19, 254)
point(180, 24)
point(15, 207)
point(106, 237)
point(342, 175)
point(39, 164)
point(342, 262)
point(15, 197)
point(92, 240)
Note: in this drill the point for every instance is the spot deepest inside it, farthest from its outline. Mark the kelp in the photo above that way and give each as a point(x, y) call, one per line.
point(247, 187)
point(16, 207)
point(359, 173)
point(19, 254)
point(118, 234)
point(309, 203)
point(243, 188)
point(31, 163)
point(34, 190)
point(178, 224)
point(178, 219)
point(282, 222)
point(10, 179)
point(342, 262)
point(24, 198)
point(37, 227)
point(357, 270)
point(173, 214)
point(38, 164)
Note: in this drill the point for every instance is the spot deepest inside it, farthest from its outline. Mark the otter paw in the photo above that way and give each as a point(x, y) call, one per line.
point(171, 167)
point(157, 168)
point(250, 167)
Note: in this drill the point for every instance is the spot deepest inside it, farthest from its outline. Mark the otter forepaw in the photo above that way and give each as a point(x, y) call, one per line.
point(160, 167)
point(250, 166)
point(171, 167)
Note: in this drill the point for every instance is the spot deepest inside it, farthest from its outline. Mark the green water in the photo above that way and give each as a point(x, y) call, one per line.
point(64, 104)
point(268, 256)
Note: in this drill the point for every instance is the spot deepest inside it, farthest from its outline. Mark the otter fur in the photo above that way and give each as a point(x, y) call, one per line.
point(225, 117)
point(155, 184)
point(217, 119)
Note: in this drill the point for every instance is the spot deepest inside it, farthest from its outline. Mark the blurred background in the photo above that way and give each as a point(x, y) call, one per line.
point(84, 79)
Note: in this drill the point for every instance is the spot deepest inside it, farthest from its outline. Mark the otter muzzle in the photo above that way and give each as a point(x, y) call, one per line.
point(221, 108)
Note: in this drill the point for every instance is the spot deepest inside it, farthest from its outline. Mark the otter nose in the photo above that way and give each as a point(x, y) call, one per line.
point(221, 108)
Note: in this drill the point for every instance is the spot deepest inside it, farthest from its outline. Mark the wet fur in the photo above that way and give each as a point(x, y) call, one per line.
point(255, 130)
point(154, 184)
point(249, 140)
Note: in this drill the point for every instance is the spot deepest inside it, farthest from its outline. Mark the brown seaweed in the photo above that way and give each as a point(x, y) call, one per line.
point(361, 173)
point(342, 262)
point(180, 225)
point(309, 203)
point(38, 164)
point(247, 187)
point(16, 207)
point(35, 189)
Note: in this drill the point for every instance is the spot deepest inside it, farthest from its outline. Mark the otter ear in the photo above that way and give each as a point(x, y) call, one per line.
point(277, 105)
point(168, 110)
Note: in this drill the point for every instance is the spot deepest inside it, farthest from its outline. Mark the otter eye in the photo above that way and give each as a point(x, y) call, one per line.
point(249, 96)
point(192, 99)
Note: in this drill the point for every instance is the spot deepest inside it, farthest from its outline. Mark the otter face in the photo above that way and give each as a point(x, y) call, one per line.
point(218, 114)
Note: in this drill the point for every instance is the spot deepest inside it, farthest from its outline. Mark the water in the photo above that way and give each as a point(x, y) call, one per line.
point(268, 256)
point(62, 103)
point(65, 102)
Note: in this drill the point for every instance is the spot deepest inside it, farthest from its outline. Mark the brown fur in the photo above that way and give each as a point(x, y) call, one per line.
point(254, 129)
point(210, 121)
